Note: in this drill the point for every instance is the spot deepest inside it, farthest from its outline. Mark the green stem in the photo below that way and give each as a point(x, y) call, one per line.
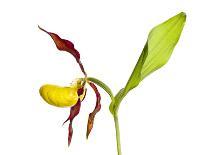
point(118, 141)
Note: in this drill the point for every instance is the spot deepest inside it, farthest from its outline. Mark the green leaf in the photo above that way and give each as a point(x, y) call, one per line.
point(156, 53)
point(161, 42)
point(135, 77)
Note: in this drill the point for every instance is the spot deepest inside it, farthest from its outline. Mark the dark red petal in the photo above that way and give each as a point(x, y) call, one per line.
point(74, 111)
point(84, 94)
point(70, 133)
point(63, 45)
point(97, 109)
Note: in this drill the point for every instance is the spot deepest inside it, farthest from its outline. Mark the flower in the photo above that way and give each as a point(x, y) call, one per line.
point(72, 95)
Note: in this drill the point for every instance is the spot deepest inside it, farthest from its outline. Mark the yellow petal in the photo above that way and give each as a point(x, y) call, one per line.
point(59, 96)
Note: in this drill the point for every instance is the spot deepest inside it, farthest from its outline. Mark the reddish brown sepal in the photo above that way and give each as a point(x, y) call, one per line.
point(97, 109)
point(66, 45)
point(63, 45)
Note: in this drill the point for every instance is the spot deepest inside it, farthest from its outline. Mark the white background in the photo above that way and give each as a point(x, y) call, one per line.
point(165, 115)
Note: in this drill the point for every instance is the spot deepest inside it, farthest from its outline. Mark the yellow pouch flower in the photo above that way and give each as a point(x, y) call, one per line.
point(60, 96)
point(73, 95)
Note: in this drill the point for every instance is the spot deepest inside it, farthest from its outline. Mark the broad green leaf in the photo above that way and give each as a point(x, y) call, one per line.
point(161, 41)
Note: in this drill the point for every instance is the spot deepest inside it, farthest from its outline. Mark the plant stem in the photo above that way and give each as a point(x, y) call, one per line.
point(118, 141)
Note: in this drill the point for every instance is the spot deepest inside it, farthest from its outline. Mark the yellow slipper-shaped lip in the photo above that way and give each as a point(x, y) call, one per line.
point(60, 96)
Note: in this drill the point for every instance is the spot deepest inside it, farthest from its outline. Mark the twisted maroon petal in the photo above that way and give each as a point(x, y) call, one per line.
point(66, 45)
point(70, 133)
point(97, 109)
point(74, 111)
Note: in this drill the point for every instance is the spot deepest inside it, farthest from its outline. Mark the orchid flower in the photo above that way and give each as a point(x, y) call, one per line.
point(72, 95)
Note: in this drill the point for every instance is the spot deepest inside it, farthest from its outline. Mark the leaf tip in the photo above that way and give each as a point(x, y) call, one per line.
point(183, 15)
